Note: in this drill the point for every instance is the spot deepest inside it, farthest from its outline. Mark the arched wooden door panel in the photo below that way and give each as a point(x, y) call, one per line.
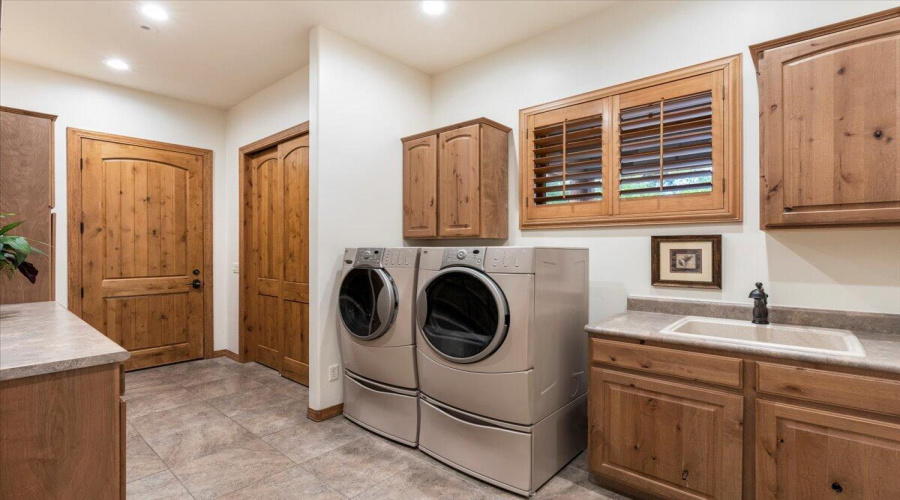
point(276, 255)
point(140, 247)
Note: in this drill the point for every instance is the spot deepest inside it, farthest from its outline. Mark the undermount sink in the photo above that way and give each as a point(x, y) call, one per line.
point(790, 337)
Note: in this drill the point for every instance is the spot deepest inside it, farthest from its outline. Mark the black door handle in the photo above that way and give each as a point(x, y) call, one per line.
point(196, 284)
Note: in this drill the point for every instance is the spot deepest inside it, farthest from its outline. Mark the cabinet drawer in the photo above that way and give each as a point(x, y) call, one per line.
point(839, 389)
point(709, 368)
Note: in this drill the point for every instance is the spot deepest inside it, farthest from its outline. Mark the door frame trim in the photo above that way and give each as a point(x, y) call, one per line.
point(244, 193)
point(73, 207)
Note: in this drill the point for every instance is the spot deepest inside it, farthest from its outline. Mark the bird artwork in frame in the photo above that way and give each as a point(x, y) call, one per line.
point(686, 261)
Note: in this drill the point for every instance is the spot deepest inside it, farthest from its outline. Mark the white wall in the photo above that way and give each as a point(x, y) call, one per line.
point(848, 269)
point(102, 107)
point(361, 103)
point(279, 106)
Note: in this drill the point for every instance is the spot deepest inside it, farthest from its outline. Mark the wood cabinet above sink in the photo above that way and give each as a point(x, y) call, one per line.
point(830, 124)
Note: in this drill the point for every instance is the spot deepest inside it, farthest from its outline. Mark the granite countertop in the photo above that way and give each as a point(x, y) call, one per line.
point(882, 349)
point(44, 337)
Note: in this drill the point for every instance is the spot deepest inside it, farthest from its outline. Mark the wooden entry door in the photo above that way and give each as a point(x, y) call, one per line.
point(276, 257)
point(142, 246)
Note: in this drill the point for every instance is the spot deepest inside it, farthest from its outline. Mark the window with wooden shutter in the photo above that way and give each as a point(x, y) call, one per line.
point(568, 148)
point(662, 149)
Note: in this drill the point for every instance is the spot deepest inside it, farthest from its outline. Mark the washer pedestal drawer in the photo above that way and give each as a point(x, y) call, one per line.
point(394, 366)
point(388, 411)
point(514, 457)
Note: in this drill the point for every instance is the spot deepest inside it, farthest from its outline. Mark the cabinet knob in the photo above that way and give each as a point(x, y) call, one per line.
point(878, 134)
point(837, 487)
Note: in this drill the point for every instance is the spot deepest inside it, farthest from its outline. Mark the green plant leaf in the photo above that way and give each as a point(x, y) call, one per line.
point(19, 247)
point(10, 227)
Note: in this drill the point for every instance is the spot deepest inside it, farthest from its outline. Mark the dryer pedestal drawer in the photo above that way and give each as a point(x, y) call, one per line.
point(503, 396)
point(513, 457)
point(381, 409)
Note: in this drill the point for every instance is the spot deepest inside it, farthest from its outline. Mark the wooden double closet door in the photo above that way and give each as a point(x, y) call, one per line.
point(275, 258)
point(140, 245)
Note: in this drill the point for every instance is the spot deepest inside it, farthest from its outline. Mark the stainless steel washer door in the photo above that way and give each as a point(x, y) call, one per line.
point(367, 302)
point(462, 314)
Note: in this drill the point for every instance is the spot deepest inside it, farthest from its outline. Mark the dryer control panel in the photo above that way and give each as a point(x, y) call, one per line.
point(464, 256)
point(509, 260)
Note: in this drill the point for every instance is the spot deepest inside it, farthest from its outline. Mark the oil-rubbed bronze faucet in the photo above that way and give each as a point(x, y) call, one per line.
point(760, 305)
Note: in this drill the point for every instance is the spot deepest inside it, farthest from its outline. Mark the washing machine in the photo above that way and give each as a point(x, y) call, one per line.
point(376, 321)
point(502, 360)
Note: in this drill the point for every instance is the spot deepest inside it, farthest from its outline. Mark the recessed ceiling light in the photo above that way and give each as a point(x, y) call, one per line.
point(154, 12)
point(434, 7)
point(117, 64)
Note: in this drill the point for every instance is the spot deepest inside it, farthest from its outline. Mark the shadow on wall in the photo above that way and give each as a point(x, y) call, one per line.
point(852, 259)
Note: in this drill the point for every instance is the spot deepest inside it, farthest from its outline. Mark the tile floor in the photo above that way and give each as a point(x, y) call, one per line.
point(219, 429)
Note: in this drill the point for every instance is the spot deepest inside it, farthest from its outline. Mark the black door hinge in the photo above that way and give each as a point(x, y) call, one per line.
point(82, 163)
point(82, 228)
point(82, 292)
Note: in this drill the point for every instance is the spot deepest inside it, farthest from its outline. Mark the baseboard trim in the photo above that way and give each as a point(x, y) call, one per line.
point(225, 353)
point(325, 413)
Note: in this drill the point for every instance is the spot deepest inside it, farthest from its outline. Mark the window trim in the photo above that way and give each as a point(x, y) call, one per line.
point(730, 68)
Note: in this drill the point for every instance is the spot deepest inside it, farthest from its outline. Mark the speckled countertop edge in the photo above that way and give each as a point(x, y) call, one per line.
point(882, 349)
point(43, 337)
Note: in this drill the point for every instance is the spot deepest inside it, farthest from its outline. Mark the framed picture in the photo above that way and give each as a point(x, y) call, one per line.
point(686, 261)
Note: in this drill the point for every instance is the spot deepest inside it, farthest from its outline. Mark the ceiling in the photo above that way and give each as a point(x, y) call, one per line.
point(219, 53)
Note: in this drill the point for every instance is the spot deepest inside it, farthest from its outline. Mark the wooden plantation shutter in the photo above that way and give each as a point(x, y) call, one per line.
point(568, 149)
point(669, 146)
point(663, 149)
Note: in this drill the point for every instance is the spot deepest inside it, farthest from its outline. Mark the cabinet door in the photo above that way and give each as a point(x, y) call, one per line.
point(459, 182)
point(830, 125)
point(420, 188)
point(666, 439)
point(811, 453)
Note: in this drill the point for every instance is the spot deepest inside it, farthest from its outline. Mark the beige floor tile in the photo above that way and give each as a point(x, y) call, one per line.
point(161, 486)
point(581, 461)
point(582, 479)
point(424, 482)
point(249, 400)
point(205, 373)
point(229, 470)
point(166, 422)
point(140, 460)
point(286, 387)
point(230, 385)
point(252, 369)
point(158, 401)
point(359, 465)
point(294, 483)
point(308, 439)
point(225, 361)
point(201, 440)
point(267, 420)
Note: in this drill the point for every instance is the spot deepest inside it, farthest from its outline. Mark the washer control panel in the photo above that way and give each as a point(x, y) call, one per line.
point(464, 256)
point(400, 257)
point(368, 257)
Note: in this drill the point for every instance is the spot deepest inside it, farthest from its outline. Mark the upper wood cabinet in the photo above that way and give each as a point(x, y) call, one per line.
point(829, 124)
point(660, 150)
point(26, 190)
point(455, 182)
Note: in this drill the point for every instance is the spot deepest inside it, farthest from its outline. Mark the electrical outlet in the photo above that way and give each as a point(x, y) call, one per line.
point(333, 372)
point(235, 268)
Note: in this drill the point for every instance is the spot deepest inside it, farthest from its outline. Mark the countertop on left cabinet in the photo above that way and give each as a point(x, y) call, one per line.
point(44, 337)
point(62, 416)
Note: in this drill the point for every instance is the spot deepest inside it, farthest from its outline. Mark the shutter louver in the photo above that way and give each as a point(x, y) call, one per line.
point(568, 161)
point(666, 147)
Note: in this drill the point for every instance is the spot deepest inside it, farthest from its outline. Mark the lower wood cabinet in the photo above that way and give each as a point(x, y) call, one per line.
point(62, 435)
point(664, 438)
point(811, 453)
point(779, 430)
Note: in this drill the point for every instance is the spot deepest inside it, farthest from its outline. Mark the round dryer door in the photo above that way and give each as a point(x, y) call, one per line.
point(367, 302)
point(463, 314)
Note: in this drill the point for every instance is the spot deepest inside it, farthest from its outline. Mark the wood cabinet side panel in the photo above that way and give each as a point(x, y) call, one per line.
point(494, 183)
point(59, 435)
